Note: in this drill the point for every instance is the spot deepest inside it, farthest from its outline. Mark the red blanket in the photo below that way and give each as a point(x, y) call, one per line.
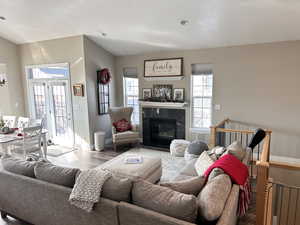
point(239, 175)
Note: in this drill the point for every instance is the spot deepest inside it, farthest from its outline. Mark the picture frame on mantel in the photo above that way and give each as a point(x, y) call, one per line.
point(157, 68)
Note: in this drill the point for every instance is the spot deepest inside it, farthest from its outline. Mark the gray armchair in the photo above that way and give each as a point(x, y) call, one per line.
point(127, 137)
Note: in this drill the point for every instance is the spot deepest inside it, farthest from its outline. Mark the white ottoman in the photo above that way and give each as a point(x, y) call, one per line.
point(150, 169)
point(178, 146)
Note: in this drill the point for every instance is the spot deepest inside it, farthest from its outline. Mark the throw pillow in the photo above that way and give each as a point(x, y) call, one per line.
point(237, 150)
point(197, 147)
point(55, 174)
point(164, 200)
point(213, 197)
point(18, 166)
point(191, 186)
point(203, 163)
point(122, 125)
point(178, 147)
point(117, 189)
point(216, 152)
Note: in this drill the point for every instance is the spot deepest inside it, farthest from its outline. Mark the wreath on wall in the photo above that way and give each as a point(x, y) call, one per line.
point(104, 76)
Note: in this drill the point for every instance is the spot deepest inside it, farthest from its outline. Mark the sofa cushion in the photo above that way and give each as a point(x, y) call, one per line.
point(203, 163)
point(191, 186)
point(55, 174)
point(18, 166)
point(126, 135)
point(212, 199)
point(182, 177)
point(117, 189)
point(237, 150)
point(164, 200)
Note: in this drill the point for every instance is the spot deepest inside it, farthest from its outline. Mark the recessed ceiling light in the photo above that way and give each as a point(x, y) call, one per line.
point(184, 22)
point(2, 18)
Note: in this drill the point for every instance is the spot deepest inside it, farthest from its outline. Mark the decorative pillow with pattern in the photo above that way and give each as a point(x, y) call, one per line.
point(122, 125)
point(203, 163)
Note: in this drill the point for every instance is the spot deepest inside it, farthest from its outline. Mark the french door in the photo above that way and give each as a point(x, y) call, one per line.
point(50, 100)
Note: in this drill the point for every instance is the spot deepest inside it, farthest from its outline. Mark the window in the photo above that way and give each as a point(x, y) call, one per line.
point(131, 96)
point(202, 86)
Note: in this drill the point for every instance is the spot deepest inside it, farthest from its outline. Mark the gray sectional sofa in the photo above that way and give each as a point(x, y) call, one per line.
point(42, 203)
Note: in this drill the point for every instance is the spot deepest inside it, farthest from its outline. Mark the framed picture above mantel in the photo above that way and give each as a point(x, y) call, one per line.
point(156, 68)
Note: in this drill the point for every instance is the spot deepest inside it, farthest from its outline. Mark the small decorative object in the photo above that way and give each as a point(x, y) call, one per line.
point(103, 79)
point(78, 90)
point(147, 93)
point(172, 67)
point(104, 76)
point(162, 92)
point(2, 124)
point(3, 78)
point(178, 94)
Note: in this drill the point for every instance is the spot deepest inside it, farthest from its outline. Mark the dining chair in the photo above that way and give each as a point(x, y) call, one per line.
point(31, 141)
point(9, 121)
point(36, 122)
point(22, 122)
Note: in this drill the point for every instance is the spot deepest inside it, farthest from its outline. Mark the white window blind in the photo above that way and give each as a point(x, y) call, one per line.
point(131, 92)
point(202, 88)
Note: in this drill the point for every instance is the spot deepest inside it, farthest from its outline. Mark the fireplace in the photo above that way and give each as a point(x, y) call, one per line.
point(161, 126)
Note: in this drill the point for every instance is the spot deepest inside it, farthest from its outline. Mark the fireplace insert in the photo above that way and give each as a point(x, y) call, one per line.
point(161, 126)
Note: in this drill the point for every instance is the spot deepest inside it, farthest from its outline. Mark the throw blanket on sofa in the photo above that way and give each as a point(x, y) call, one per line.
point(87, 189)
point(239, 175)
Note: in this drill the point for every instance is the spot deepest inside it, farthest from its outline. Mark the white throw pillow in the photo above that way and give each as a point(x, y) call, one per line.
point(178, 146)
point(203, 163)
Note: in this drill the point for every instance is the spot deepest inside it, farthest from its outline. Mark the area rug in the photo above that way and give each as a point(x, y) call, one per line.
point(57, 150)
point(171, 165)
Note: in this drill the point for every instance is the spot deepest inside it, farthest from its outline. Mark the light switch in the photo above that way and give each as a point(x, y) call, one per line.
point(217, 107)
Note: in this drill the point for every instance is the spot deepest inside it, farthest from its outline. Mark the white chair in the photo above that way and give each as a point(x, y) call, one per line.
point(31, 141)
point(9, 121)
point(23, 122)
point(35, 122)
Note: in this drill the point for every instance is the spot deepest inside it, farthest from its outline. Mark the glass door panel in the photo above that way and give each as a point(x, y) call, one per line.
point(60, 113)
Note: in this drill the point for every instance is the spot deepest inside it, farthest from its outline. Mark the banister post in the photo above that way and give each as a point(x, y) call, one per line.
point(261, 192)
point(213, 136)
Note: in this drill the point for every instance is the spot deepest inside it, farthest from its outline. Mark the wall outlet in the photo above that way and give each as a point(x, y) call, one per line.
point(217, 107)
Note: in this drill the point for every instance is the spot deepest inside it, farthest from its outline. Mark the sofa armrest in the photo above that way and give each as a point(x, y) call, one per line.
point(130, 214)
point(229, 215)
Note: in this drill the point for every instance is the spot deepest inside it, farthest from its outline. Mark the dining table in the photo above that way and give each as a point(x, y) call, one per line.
point(8, 139)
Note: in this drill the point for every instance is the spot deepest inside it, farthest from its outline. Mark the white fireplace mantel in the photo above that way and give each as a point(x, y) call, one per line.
point(163, 104)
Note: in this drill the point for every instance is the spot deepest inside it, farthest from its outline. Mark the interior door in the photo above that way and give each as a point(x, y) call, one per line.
point(60, 112)
point(39, 102)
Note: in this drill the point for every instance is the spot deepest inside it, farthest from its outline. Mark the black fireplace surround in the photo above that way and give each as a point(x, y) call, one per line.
point(161, 126)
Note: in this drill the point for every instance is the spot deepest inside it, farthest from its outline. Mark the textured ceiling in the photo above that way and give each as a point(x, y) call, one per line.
point(139, 26)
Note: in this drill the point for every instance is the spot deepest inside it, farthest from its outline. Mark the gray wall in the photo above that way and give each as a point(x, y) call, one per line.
point(68, 50)
point(256, 84)
point(85, 58)
point(11, 95)
point(97, 58)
